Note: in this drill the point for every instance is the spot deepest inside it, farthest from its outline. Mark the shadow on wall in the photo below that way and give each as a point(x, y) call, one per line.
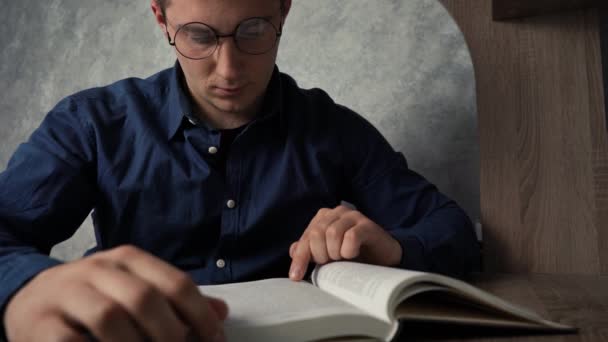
point(404, 65)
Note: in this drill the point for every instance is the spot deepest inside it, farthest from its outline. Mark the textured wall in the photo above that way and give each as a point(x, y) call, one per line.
point(403, 64)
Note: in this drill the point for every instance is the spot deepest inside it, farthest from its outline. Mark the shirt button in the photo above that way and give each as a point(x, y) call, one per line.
point(231, 204)
point(212, 150)
point(220, 263)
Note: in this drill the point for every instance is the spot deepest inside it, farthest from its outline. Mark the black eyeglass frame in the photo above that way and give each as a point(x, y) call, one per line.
point(218, 36)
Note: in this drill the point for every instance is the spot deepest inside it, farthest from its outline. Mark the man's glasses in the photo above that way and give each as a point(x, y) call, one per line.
point(254, 36)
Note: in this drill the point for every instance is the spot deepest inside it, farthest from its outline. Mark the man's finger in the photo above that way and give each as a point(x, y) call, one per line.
point(300, 260)
point(334, 236)
point(193, 308)
point(318, 246)
point(352, 242)
point(56, 328)
point(329, 216)
point(101, 316)
point(220, 307)
point(151, 310)
point(292, 249)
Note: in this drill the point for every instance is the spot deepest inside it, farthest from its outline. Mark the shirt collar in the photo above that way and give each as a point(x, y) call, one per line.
point(181, 106)
point(272, 106)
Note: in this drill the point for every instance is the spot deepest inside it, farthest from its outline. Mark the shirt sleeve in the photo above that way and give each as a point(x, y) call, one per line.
point(46, 192)
point(435, 234)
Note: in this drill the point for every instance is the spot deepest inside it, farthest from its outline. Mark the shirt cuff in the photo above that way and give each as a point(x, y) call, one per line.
point(15, 273)
point(413, 253)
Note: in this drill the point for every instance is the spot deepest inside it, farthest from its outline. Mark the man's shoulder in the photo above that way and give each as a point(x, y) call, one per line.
point(314, 104)
point(122, 92)
point(296, 96)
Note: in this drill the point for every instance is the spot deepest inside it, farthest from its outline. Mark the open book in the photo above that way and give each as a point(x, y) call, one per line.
point(353, 300)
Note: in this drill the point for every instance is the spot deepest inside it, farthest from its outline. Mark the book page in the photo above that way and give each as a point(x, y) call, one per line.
point(444, 305)
point(380, 290)
point(370, 288)
point(273, 301)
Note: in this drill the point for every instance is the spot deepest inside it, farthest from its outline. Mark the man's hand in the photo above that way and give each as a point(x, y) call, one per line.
point(342, 233)
point(123, 294)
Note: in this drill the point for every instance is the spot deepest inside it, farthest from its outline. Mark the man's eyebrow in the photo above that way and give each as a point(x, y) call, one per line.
point(266, 17)
point(188, 28)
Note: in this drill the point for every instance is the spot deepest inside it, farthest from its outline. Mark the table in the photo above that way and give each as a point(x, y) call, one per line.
point(578, 300)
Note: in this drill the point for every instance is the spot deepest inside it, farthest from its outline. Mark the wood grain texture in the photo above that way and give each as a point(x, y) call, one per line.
point(578, 300)
point(544, 171)
point(599, 127)
point(506, 9)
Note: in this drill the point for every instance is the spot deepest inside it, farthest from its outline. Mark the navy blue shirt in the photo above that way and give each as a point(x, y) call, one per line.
point(156, 178)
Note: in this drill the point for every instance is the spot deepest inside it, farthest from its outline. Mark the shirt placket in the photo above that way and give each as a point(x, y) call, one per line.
point(230, 217)
point(208, 144)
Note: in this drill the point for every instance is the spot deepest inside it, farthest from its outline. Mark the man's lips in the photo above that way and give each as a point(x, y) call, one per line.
point(227, 91)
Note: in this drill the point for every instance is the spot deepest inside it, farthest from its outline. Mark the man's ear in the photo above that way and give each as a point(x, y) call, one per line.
point(158, 15)
point(286, 8)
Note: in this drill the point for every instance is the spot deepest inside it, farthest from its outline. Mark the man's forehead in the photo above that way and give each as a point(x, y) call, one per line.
point(220, 12)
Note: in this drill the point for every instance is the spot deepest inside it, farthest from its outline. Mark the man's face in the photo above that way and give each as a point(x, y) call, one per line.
point(229, 80)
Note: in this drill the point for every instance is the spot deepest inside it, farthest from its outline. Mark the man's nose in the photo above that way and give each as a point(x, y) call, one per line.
point(227, 58)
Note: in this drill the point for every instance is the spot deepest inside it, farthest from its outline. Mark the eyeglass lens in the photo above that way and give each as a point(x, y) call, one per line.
point(253, 36)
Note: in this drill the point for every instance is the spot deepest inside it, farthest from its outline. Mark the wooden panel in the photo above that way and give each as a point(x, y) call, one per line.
point(505, 9)
point(599, 127)
point(604, 48)
point(543, 152)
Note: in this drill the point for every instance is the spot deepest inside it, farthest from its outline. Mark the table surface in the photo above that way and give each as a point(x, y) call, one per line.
point(577, 300)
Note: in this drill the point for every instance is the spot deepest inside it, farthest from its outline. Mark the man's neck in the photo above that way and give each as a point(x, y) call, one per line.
point(218, 119)
point(226, 120)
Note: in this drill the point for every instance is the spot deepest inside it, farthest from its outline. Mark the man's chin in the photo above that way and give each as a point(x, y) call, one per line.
point(234, 106)
point(230, 106)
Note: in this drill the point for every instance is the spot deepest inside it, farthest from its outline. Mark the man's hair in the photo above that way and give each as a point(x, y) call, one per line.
point(164, 3)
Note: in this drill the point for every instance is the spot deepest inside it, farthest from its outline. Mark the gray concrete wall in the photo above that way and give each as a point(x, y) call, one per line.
point(403, 64)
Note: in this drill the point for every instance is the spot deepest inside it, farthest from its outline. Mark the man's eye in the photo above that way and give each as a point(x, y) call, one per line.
point(203, 39)
point(200, 36)
point(251, 34)
point(253, 30)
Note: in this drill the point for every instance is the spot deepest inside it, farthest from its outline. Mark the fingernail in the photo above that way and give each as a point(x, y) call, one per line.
point(294, 273)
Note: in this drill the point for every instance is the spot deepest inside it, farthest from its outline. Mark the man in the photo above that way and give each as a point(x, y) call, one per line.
point(217, 170)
